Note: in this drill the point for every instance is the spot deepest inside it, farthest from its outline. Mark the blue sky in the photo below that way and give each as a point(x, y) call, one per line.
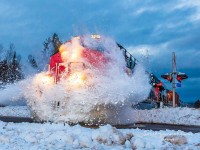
point(150, 27)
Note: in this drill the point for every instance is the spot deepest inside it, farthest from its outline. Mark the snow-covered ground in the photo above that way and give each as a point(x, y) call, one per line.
point(18, 111)
point(181, 116)
point(63, 136)
point(60, 136)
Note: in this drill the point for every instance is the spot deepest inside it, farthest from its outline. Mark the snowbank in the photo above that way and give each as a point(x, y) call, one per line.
point(179, 115)
point(60, 136)
point(17, 111)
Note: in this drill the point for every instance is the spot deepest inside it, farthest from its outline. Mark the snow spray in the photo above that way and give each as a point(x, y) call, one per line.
point(97, 99)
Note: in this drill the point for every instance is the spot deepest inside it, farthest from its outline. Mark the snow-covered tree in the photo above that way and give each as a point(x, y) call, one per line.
point(10, 66)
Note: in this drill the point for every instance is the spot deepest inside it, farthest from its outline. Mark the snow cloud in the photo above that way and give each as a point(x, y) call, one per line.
point(159, 26)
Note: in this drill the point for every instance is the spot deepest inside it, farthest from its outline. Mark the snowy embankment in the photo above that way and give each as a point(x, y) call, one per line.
point(63, 136)
point(60, 136)
point(17, 111)
point(181, 116)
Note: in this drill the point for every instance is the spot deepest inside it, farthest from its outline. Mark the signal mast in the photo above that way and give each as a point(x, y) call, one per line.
point(172, 76)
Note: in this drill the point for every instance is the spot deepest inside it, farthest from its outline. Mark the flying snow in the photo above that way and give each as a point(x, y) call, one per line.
point(96, 97)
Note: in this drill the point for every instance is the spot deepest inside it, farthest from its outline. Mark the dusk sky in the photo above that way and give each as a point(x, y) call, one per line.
point(152, 27)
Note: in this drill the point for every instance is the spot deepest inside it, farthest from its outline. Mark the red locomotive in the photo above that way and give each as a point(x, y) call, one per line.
point(74, 57)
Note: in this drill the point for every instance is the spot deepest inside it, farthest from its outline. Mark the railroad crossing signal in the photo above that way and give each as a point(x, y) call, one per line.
point(178, 76)
point(174, 75)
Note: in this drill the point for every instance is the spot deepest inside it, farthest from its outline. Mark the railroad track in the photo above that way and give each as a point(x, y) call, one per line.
point(145, 126)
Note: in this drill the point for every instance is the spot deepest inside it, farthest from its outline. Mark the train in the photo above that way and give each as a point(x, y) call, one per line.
point(77, 63)
point(159, 92)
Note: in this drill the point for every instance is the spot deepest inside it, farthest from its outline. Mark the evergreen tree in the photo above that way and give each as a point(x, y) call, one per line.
point(10, 67)
point(3, 73)
point(16, 68)
point(51, 45)
point(56, 42)
point(32, 61)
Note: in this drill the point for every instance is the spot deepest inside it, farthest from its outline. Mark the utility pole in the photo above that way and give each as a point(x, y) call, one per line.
point(174, 73)
point(173, 76)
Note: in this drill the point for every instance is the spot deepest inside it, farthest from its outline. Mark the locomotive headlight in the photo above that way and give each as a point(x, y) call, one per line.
point(43, 81)
point(77, 78)
point(47, 80)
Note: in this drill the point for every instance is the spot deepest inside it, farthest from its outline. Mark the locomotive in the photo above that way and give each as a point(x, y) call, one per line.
point(77, 62)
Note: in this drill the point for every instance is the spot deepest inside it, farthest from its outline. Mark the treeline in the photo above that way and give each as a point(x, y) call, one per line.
point(10, 65)
point(10, 62)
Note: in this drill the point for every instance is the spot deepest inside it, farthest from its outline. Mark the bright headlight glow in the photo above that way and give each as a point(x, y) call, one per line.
point(46, 80)
point(77, 78)
point(71, 51)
